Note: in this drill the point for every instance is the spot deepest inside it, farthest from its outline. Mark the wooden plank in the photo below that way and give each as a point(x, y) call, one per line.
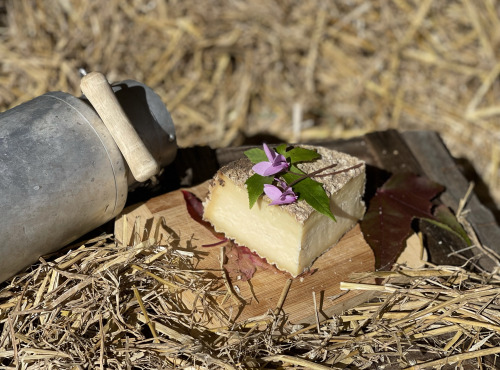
point(390, 152)
point(350, 255)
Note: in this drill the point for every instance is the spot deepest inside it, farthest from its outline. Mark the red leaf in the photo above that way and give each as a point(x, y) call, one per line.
point(241, 263)
point(238, 264)
point(195, 209)
point(387, 223)
point(194, 206)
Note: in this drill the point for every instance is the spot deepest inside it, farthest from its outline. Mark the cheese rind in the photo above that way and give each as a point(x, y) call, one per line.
point(290, 236)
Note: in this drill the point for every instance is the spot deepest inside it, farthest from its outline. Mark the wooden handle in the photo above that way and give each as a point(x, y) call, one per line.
point(140, 161)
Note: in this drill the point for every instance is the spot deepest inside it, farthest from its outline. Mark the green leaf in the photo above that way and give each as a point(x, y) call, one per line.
point(281, 149)
point(311, 191)
point(256, 155)
point(446, 220)
point(299, 154)
point(255, 187)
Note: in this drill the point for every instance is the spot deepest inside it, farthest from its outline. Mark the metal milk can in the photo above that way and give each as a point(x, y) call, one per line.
point(66, 163)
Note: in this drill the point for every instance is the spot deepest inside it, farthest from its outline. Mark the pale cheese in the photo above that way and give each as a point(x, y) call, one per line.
point(290, 236)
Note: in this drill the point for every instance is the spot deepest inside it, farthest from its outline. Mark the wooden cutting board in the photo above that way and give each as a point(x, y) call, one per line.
point(352, 254)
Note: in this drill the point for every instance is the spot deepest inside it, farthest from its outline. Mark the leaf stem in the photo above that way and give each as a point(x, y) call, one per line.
point(314, 173)
point(340, 171)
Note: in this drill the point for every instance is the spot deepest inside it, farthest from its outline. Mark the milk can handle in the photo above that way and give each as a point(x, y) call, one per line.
point(99, 93)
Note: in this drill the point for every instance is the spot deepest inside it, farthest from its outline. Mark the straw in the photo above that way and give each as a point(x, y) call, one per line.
point(118, 305)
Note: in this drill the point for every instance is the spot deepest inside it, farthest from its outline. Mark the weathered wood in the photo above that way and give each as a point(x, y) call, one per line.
point(390, 152)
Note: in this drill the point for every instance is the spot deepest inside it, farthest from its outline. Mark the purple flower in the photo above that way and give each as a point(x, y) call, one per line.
point(285, 195)
point(276, 163)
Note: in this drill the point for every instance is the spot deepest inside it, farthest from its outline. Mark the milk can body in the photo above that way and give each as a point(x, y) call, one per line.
point(61, 176)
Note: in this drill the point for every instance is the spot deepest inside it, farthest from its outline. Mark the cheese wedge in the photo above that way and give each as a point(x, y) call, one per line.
point(290, 236)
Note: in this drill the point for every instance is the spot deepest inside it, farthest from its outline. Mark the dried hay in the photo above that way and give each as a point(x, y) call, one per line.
point(107, 305)
point(296, 69)
point(230, 70)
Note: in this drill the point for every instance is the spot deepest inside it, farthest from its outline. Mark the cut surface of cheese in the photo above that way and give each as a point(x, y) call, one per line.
point(290, 236)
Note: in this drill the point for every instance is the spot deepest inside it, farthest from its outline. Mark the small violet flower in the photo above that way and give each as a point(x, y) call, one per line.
point(278, 196)
point(276, 163)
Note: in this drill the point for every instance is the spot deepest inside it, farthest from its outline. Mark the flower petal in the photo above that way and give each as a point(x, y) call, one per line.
point(271, 154)
point(282, 184)
point(288, 198)
point(273, 192)
point(276, 202)
point(275, 169)
point(278, 196)
point(262, 167)
point(279, 159)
